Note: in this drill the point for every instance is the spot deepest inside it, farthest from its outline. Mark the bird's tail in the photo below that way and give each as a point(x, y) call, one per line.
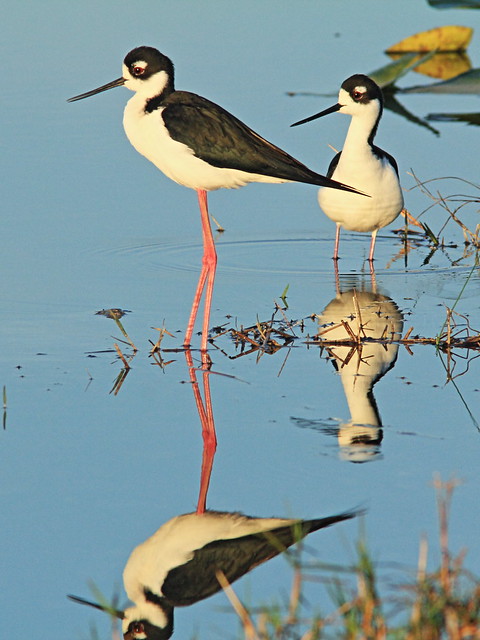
point(320, 523)
point(322, 181)
point(286, 535)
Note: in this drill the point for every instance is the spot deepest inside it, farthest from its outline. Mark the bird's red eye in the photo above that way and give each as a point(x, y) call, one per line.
point(138, 627)
point(357, 95)
point(138, 71)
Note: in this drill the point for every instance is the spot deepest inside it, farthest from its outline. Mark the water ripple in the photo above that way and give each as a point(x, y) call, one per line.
point(308, 256)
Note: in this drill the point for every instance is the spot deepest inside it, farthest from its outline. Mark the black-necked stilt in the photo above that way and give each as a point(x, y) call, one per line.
point(178, 565)
point(199, 145)
point(361, 164)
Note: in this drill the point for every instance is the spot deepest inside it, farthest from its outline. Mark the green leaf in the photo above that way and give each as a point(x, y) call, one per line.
point(391, 72)
point(465, 83)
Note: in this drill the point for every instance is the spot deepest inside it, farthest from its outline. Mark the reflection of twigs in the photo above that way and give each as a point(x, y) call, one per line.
point(407, 235)
point(275, 334)
point(121, 356)
point(120, 379)
point(90, 378)
point(451, 379)
point(461, 292)
point(155, 351)
point(4, 407)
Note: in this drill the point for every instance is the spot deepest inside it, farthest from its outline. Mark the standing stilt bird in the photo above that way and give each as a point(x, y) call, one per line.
point(179, 564)
point(361, 164)
point(199, 145)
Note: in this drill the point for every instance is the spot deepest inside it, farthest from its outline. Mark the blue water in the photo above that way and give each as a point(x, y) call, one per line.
point(88, 224)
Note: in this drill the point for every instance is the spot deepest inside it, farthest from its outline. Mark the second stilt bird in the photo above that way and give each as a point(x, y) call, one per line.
point(361, 164)
point(199, 145)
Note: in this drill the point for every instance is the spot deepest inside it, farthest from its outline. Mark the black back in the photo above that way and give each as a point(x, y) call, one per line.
point(222, 140)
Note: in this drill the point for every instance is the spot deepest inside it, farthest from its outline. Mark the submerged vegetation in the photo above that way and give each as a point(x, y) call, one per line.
point(422, 604)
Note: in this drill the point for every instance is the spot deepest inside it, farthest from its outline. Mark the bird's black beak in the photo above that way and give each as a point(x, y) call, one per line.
point(336, 107)
point(117, 613)
point(111, 85)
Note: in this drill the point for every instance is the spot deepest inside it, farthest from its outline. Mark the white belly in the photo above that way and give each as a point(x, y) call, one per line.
point(148, 134)
point(358, 213)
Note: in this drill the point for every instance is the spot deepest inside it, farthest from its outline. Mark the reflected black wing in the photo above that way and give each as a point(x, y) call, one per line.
point(197, 579)
point(219, 138)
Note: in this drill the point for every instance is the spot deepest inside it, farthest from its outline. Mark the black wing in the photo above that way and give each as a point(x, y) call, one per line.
point(197, 579)
point(219, 138)
point(380, 153)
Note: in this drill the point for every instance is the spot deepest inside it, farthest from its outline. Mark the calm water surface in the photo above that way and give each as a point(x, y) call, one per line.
point(88, 224)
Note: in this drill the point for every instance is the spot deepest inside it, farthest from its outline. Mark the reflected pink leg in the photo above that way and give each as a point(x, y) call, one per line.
point(337, 240)
point(337, 277)
point(207, 274)
point(205, 413)
point(209, 444)
point(373, 279)
point(372, 245)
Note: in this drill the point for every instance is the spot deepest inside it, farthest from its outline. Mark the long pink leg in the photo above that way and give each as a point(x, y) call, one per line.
point(207, 274)
point(337, 240)
point(372, 245)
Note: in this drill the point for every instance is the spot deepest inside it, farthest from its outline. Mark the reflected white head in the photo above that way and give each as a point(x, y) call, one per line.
point(147, 621)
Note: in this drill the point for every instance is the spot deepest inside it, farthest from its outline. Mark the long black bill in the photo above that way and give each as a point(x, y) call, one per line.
point(111, 85)
point(335, 107)
point(118, 613)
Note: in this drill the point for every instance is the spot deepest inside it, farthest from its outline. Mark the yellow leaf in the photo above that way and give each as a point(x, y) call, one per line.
point(449, 38)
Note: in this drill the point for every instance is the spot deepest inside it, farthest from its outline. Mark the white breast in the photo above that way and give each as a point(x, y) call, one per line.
point(374, 177)
point(359, 168)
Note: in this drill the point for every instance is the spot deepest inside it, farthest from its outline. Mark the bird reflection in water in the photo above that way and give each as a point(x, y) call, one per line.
point(193, 555)
point(358, 329)
point(181, 563)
